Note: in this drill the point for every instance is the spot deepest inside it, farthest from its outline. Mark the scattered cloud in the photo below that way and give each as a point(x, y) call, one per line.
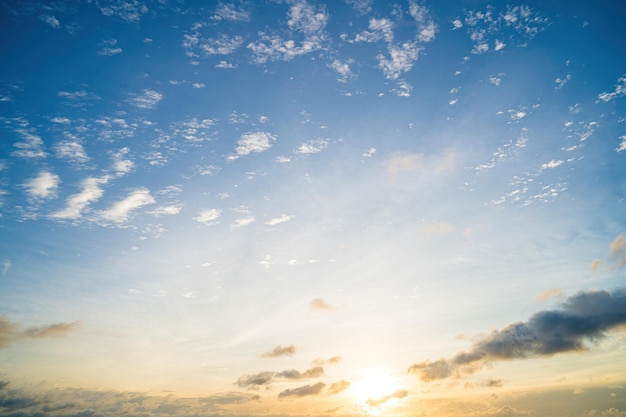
point(401, 59)
point(552, 164)
point(128, 10)
point(361, 6)
point(120, 211)
point(72, 150)
point(253, 142)
point(620, 90)
point(584, 316)
point(228, 11)
point(243, 222)
point(312, 146)
point(148, 99)
point(622, 145)
point(31, 145)
point(314, 389)
point(278, 220)
point(168, 210)
point(43, 185)
point(280, 351)
point(208, 216)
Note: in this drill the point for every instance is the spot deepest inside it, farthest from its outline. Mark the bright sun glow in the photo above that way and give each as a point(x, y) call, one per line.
point(373, 383)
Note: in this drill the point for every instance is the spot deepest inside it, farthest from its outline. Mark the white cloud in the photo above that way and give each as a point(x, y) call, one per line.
point(426, 26)
point(280, 219)
point(168, 210)
point(30, 147)
point(378, 29)
point(369, 153)
point(148, 99)
point(90, 193)
point(622, 145)
point(620, 90)
point(402, 60)
point(223, 45)
point(208, 216)
point(552, 164)
point(72, 150)
point(230, 12)
point(51, 20)
point(343, 69)
point(121, 165)
point(121, 210)
point(312, 146)
point(243, 222)
point(129, 10)
point(61, 120)
point(225, 65)
point(107, 51)
point(253, 142)
point(43, 185)
point(361, 6)
point(499, 45)
point(304, 17)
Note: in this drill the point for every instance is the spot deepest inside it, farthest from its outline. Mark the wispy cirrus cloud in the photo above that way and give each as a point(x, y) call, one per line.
point(91, 192)
point(121, 210)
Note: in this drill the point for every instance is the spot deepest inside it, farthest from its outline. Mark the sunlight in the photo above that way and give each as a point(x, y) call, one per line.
point(373, 383)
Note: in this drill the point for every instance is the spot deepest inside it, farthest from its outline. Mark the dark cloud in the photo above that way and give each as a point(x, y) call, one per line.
point(337, 387)
point(314, 389)
point(267, 377)
point(583, 317)
point(375, 402)
point(11, 332)
point(280, 351)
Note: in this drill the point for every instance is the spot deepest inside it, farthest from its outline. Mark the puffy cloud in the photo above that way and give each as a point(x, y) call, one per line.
point(426, 26)
point(90, 193)
point(552, 164)
point(208, 216)
point(622, 144)
point(329, 361)
point(43, 185)
point(121, 210)
point(337, 387)
point(253, 142)
point(584, 316)
point(129, 10)
point(314, 389)
point(401, 59)
point(72, 150)
point(375, 402)
point(243, 222)
point(280, 351)
point(168, 210)
point(11, 332)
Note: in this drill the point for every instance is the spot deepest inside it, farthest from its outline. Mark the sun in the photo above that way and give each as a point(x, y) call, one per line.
point(373, 383)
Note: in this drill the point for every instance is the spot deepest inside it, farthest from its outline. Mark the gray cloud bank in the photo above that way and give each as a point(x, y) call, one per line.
point(585, 316)
point(267, 377)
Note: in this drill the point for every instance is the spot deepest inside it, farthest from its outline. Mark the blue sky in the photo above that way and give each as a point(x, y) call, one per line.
point(333, 208)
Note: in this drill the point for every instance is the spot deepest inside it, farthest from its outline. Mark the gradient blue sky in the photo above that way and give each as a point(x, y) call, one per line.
point(292, 207)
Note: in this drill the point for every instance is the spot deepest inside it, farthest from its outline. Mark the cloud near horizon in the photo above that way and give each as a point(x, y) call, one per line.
point(585, 316)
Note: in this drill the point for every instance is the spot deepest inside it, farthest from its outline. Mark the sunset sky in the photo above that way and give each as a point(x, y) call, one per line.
point(302, 207)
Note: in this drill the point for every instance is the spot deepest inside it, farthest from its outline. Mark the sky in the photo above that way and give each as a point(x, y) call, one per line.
point(302, 207)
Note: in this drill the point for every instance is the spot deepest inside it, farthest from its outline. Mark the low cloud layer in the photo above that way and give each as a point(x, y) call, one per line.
point(313, 389)
point(583, 317)
point(11, 332)
point(399, 394)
